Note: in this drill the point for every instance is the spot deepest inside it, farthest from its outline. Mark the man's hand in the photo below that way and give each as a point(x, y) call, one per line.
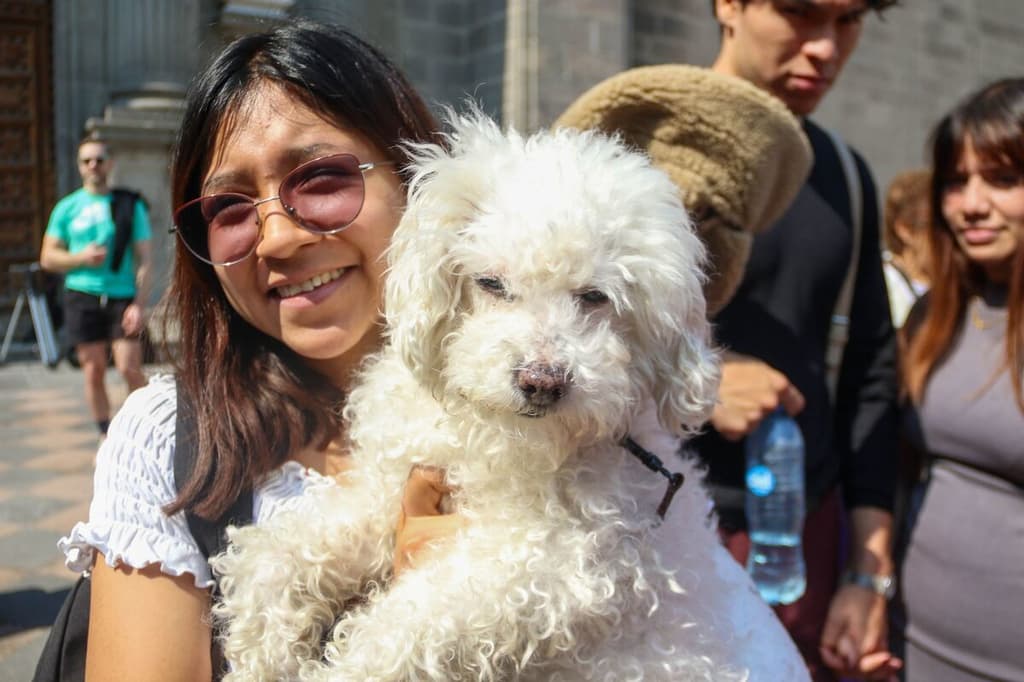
point(132, 320)
point(421, 524)
point(93, 255)
point(750, 390)
point(854, 643)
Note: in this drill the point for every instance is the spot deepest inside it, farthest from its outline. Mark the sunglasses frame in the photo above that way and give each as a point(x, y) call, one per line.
point(362, 167)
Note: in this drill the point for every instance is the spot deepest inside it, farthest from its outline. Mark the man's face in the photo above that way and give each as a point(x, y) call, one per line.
point(94, 164)
point(794, 49)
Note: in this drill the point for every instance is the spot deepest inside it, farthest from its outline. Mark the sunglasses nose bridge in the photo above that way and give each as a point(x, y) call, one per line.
point(257, 215)
point(272, 240)
point(276, 197)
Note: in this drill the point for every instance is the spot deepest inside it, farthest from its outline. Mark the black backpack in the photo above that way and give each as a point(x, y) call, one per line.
point(63, 655)
point(122, 210)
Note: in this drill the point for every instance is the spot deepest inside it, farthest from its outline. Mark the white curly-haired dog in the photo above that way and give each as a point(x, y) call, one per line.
point(543, 301)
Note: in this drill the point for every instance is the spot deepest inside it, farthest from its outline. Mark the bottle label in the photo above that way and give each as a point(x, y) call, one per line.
point(760, 480)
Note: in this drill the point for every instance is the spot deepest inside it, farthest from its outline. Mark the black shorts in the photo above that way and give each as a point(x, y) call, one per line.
point(89, 318)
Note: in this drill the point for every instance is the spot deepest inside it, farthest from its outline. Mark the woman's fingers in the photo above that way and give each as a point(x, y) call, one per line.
point(420, 536)
point(421, 524)
point(424, 491)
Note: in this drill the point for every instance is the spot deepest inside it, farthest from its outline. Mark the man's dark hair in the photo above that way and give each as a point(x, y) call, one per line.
point(93, 138)
point(876, 5)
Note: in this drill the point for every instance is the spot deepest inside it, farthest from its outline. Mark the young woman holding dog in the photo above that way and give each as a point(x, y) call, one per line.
point(287, 182)
point(964, 369)
point(287, 178)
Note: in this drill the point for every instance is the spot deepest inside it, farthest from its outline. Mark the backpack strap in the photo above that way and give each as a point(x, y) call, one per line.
point(208, 534)
point(62, 658)
point(839, 327)
point(122, 210)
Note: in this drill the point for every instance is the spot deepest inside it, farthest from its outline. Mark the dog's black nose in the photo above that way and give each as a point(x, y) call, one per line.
point(541, 384)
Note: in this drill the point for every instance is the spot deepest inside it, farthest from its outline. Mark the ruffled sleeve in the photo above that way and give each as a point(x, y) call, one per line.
point(133, 481)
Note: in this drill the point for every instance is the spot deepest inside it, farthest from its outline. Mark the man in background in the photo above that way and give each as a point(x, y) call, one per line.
point(776, 335)
point(106, 263)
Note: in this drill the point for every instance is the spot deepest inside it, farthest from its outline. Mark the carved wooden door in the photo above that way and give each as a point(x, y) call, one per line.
point(26, 134)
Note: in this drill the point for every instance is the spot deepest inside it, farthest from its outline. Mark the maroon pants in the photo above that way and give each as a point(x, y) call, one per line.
point(805, 618)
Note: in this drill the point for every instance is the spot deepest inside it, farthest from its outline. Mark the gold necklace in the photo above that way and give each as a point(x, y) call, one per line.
point(981, 323)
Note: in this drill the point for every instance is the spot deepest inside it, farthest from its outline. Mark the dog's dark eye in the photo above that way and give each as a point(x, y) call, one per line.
point(491, 285)
point(593, 296)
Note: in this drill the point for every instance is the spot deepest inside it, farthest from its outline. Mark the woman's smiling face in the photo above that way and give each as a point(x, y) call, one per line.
point(337, 322)
point(983, 204)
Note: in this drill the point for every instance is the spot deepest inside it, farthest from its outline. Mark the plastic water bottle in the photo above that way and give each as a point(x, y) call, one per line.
point(775, 508)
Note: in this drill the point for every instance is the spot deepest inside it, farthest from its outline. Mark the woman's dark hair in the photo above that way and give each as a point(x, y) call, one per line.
point(992, 122)
point(256, 402)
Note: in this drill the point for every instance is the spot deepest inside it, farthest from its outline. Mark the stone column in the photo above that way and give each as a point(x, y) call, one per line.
point(152, 52)
point(519, 96)
point(150, 58)
point(238, 17)
point(554, 51)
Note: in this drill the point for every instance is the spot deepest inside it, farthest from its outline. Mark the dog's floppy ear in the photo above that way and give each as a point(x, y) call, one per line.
point(423, 287)
point(686, 380)
point(421, 291)
point(672, 329)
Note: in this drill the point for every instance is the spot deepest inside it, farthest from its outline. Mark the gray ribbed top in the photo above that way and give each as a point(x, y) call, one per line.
point(963, 578)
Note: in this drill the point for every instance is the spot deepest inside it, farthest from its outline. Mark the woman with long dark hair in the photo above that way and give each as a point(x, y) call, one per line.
point(963, 573)
point(287, 183)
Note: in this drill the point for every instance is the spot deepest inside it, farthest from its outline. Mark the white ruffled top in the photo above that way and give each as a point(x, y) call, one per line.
point(134, 480)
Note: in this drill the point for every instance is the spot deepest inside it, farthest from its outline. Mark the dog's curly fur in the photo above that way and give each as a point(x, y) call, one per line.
point(544, 300)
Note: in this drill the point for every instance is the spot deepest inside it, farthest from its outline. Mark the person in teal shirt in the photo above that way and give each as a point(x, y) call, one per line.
point(104, 306)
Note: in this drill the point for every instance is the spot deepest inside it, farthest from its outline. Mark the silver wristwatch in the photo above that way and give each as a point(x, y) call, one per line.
point(882, 585)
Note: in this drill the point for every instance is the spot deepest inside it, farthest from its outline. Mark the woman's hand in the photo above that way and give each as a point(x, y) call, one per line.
point(853, 643)
point(422, 525)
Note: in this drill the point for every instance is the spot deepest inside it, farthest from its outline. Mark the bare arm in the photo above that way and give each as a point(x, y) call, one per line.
point(146, 625)
point(143, 256)
point(134, 318)
point(55, 256)
point(854, 642)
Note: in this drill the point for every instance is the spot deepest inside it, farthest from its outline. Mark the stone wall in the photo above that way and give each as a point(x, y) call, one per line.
point(449, 49)
point(453, 49)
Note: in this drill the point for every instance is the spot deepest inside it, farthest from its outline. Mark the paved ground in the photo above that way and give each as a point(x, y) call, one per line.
point(47, 443)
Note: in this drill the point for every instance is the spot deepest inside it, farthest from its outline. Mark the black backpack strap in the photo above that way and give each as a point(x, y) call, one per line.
point(208, 534)
point(62, 658)
point(122, 210)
